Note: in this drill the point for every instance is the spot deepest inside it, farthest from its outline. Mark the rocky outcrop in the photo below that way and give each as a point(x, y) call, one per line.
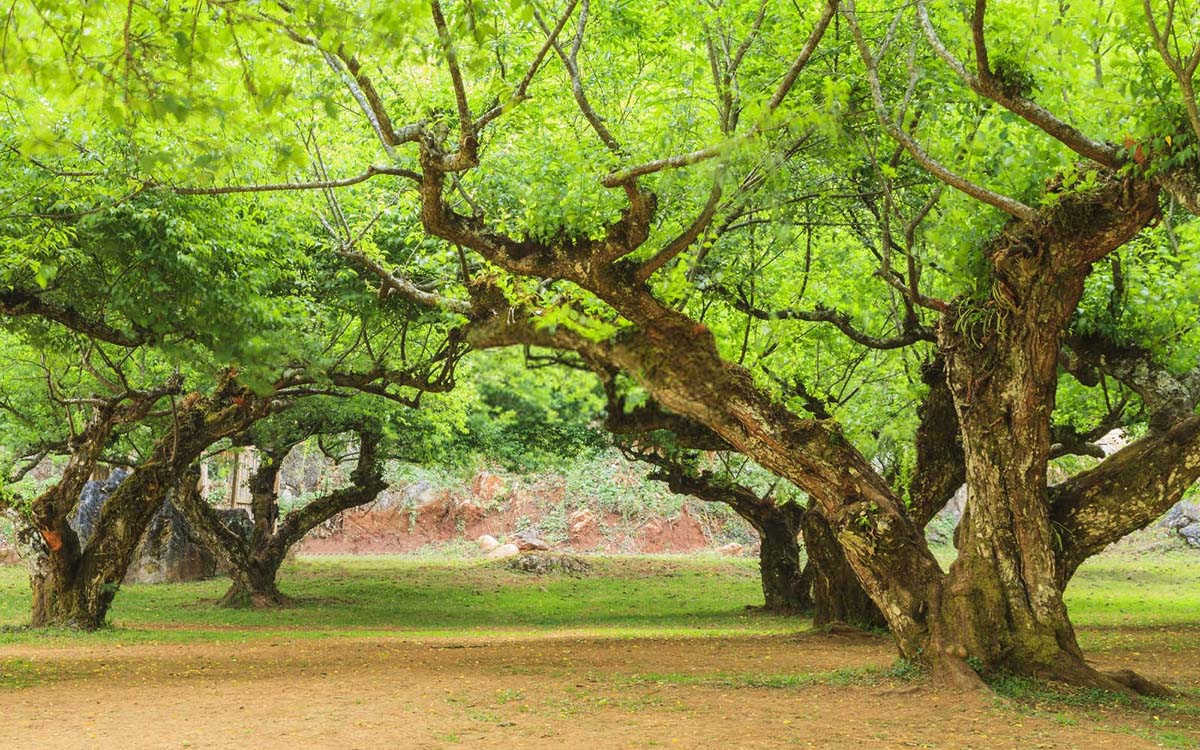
point(541, 564)
point(1184, 519)
point(168, 552)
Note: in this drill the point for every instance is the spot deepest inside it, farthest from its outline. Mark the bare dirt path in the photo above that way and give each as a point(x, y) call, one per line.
point(568, 693)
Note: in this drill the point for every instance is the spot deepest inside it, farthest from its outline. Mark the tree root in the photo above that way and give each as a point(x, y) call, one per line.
point(240, 598)
point(1076, 672)
point(957, 674)
point(1139, 684)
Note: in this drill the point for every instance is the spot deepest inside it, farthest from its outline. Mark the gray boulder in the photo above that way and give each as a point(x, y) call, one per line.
point(1191, 534)
point(91, 500)
point(1181, 514)
point(169, 552)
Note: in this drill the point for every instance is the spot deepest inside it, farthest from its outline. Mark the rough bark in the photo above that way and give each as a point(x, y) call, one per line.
point(1126, 492)
point(837, 595)
point(74, 585)
point(254, 563)
point(1002, 357)
point(941, 466)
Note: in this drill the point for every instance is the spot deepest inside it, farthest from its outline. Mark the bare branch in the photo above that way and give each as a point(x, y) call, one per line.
point(789, 79)
point(465, 120)
point(841, 321)
point(570, 62)
point(519, 94)
point(1184, 71)
point(685, 239)
point(372, 171)
point(17, 303)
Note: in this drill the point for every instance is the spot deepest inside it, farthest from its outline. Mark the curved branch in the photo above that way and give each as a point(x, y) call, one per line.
point(838, 319)
point(985, 83)
point(1006, 204)
point(19, 303)
point(372, 171)
point(1124, 493)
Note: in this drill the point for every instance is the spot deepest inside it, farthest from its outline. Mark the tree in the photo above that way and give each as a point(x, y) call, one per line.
point(358, 426)
point(163, 331)
point(615, 249)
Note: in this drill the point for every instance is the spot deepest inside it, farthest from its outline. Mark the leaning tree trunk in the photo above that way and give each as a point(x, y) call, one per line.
point(837, 595)
point(73, 581)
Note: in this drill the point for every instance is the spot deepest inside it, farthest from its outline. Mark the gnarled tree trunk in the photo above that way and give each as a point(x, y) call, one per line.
point(74, 581)
point(254, 563)
point(1002, 367)
point(784, 588)
point(837, 595)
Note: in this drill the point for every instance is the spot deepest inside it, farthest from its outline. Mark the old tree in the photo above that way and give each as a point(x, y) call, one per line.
point(878, 249)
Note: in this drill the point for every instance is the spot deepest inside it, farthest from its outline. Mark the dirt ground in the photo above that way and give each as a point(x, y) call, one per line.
point(539, 692)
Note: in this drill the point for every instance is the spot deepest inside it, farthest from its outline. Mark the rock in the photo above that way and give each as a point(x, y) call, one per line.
point(168, 553)
point(730, 550)
point(91, 500)
point(680, 534)
point(583, 529)
point(416, 493)
point(581, 524)
point(487, 542)
point(486, 486)
point(237, 520)
point(528, 541)
point(504, 550)
point(543, 564)
point(467, 513)
point(1181, 514)
point(1191, 534)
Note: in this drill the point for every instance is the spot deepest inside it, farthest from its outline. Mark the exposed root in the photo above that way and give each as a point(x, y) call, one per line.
point(1071, 671)
point(239, 598)
point(1139, 684)
point(957, 674)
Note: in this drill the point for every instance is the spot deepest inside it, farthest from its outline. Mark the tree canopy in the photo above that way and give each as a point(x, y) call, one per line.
point(880, 250)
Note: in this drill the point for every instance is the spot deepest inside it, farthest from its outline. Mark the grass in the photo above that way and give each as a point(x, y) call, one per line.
point(900, 672)
point(437, 597)
point(1119, 602)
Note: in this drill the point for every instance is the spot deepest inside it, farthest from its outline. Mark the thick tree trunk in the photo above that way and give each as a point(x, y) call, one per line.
point(784, 588)
point(1001, 605)
point(254, 585)
point(1005, 571)
point(64, 601)
point(837, 595)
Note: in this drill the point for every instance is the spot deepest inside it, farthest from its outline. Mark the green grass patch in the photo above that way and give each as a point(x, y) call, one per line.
point(638, 596)
point(900, 672)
